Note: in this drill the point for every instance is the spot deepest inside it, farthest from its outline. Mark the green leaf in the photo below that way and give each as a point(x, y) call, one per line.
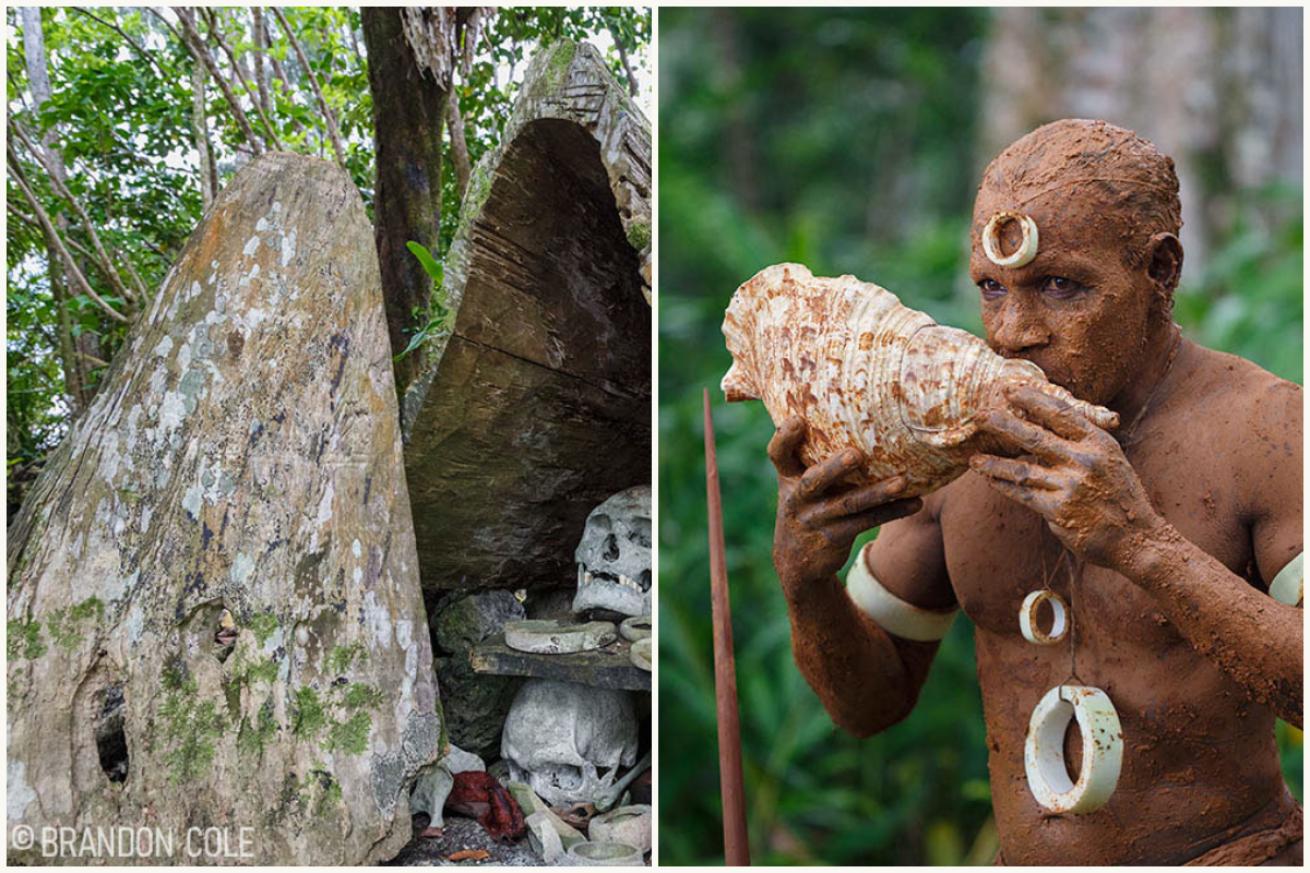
point(430, 264)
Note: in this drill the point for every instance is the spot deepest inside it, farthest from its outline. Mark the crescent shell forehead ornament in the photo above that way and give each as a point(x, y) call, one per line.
point(991, 239)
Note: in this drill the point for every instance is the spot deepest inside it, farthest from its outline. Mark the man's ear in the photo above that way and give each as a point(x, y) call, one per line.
point(1165, 261)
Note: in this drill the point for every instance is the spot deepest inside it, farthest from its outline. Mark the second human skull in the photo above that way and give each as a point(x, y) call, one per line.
point(613, 555)
point(568, 741)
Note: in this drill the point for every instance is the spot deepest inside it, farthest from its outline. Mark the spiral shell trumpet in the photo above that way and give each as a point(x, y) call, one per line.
point(863, 370)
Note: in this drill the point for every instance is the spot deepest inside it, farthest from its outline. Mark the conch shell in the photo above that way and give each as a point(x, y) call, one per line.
point(864, 370)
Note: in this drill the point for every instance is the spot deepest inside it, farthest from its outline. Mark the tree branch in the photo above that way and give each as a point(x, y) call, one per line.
point(16, 173)
point(623, 57)
point(197, 48)
point(102, 258)
point(333, 132)
point(217, 34)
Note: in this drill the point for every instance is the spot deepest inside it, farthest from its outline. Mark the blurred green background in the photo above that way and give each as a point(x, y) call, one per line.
point(852, 141)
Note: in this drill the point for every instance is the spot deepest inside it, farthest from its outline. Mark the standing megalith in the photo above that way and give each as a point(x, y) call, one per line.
point(536, 405)
point(214, 610)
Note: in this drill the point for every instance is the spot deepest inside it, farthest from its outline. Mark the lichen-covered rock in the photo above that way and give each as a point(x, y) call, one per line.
point(536, 406)
point(469, 619)
point(475, 704)
point(214, 611)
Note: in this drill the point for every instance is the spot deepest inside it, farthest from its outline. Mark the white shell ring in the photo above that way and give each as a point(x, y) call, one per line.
point(1043, 752)
point(1027, 249)
point(1028, 618)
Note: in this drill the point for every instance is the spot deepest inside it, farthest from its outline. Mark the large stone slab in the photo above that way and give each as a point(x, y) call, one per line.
point(536, 406)
point(240, 470)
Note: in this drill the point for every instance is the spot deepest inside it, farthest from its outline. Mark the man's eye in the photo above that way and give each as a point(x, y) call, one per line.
point(1060, 287)
point(991, 289)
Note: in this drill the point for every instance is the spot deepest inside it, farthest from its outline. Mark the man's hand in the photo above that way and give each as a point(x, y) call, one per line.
point(1075, 476)
point(820, 513)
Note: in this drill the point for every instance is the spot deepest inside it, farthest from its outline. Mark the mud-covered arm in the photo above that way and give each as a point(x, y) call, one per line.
point(1255, 639)
point(866, 679)
point(1080, 482)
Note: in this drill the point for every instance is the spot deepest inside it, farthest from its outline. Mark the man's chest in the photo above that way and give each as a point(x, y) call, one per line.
point(997, 551)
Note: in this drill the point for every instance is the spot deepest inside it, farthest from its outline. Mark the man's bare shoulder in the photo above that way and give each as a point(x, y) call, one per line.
point(1229, 396)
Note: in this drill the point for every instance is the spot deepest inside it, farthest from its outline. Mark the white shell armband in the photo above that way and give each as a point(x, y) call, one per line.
point(891, 613)
point(1028, 618)
point(1043, 751)
point(1289, 585)
point(991, 240)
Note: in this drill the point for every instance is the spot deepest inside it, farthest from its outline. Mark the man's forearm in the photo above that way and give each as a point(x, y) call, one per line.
point(865, 678)
point(1253, 638)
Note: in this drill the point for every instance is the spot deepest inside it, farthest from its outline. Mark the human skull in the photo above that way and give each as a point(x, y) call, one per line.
point(567, 741)
point(614, 555)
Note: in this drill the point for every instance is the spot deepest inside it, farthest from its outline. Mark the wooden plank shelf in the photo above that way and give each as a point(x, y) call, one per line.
point(609, 667)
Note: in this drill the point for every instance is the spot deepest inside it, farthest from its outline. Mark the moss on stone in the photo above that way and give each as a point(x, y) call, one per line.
point(309, 714)
point(65, 625)
point(359, 695)
point(191, 726)
point(262, 671)
point(639, 235)
point(255, 735)
point(262, 626)
point(341, 658)
point(559, 58)
point(350, 736)
point(331, 798)
point(24, 640)
point(476, 194)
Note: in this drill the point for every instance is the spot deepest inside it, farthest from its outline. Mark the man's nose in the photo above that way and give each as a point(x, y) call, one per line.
point(1018, 328)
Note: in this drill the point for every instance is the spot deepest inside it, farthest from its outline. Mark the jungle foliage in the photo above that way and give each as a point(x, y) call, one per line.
point(845, 140)
point(121, 127)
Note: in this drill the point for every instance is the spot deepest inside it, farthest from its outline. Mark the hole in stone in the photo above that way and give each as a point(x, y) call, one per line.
point(645, 580)
point(111, 740)
point(611, 552)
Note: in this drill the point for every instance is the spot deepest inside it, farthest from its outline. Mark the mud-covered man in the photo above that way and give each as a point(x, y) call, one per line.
point(1164, 537)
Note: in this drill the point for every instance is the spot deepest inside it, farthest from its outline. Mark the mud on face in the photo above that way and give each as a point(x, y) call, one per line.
point(1105, 203)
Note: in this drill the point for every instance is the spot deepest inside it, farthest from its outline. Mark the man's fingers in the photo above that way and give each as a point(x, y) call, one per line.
point(861, 499)
point(1016, 472)
point(1024, 435)
point(1056, 415)
point(828, 472)
point(852, 526)
point(1038, 500)
point(784, 447)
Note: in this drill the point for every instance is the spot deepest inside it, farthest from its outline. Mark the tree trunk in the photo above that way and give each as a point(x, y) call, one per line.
point(200, 133)
point(459, 149)
point(214, 609)
point(75, 382)
point(260, 38)
point(407, 110)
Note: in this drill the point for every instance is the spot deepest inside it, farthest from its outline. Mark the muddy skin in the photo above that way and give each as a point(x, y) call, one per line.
point(1170, 529)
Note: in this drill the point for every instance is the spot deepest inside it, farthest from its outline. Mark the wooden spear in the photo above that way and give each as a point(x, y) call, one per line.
point(736, 849)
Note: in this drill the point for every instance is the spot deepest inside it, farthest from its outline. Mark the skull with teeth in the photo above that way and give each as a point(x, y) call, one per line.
point(568, 741)
point(614, 556)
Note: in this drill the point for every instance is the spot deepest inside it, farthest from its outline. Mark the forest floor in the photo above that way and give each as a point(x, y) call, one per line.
point(464, 835)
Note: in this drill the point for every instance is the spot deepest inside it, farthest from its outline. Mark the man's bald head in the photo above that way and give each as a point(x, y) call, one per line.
point(1117, 185)
point(1081, 258)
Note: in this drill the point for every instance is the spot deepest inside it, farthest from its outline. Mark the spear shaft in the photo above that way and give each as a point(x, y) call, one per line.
point(736, 850)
